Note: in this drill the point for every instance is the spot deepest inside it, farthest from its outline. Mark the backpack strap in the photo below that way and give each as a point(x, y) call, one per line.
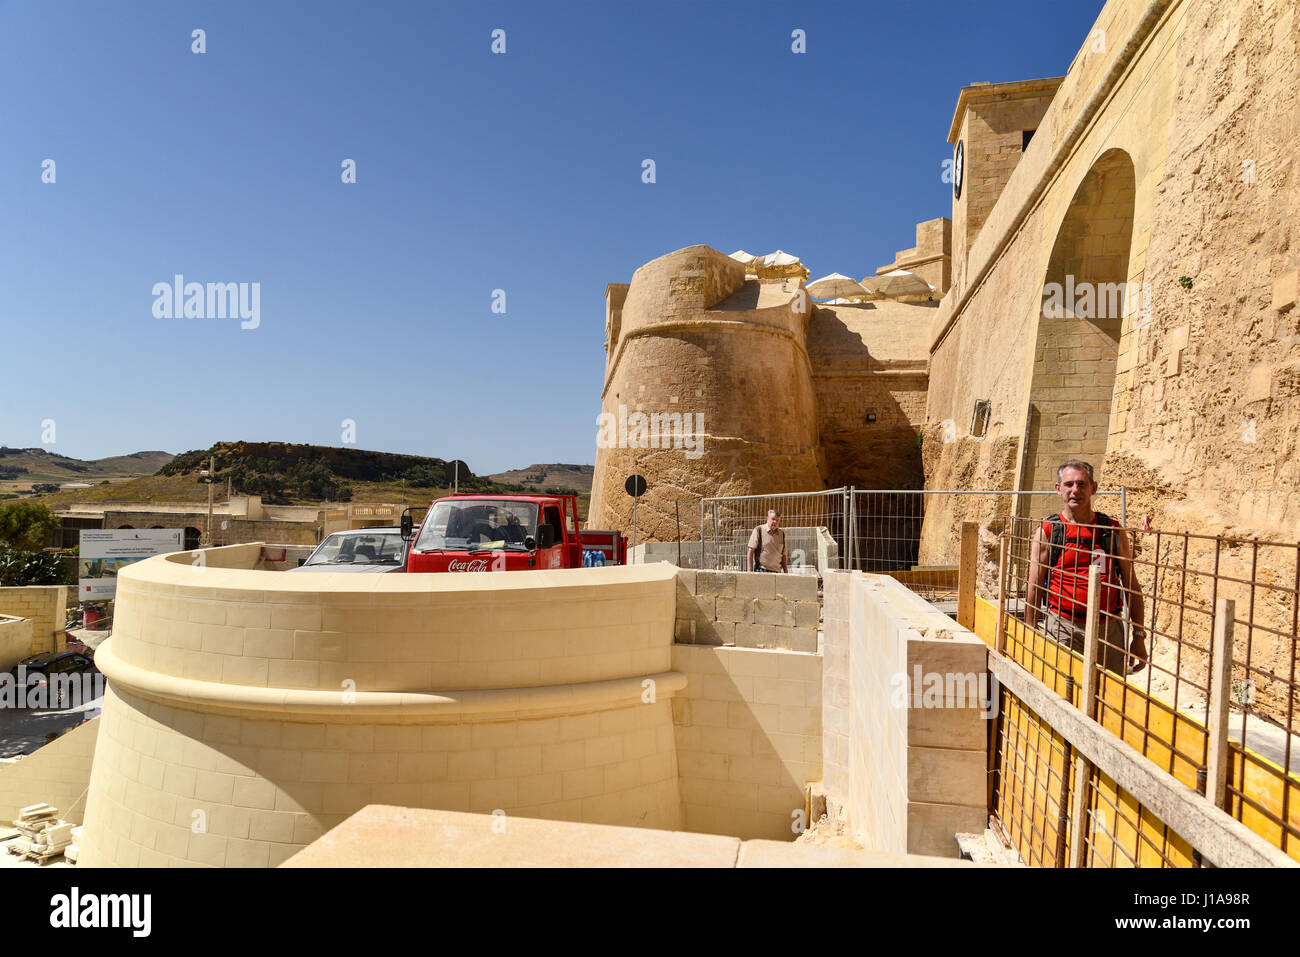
point(1106, 533)
point(1056, 541)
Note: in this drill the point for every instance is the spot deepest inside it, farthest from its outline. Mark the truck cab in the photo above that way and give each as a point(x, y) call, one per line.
point(484, 532)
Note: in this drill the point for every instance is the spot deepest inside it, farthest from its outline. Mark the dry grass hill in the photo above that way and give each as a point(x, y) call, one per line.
point(280, 472)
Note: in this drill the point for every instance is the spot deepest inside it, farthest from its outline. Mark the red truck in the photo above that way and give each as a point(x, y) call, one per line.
point(477, 532)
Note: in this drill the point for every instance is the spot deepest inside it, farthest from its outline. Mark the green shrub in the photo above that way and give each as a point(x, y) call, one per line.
point(32, 568)
point(27, 526)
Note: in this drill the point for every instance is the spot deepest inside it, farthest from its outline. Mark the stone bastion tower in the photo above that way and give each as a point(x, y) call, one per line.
point(720, 381)
point(691, 341)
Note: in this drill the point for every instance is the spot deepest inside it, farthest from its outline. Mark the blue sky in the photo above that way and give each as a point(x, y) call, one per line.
point(475, 172)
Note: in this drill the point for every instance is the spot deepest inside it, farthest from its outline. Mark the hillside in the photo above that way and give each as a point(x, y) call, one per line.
point(137, 463)
point(539, 478)
point(23, 468)
point(288, 474)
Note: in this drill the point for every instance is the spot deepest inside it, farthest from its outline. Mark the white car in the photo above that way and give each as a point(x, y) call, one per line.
point(364, 550)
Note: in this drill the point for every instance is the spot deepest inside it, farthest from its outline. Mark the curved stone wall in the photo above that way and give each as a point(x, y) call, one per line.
point(250, 711)
point(693, 336)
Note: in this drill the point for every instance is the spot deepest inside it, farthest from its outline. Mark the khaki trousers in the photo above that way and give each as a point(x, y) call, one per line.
point(1112, 650)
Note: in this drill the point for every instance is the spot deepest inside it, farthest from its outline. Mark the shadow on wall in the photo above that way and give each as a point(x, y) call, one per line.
point(882, 453)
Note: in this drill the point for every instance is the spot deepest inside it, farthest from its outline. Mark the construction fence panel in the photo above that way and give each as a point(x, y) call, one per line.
point(1034, 802)
point(1223, 722)
point(909, 534)
point(914, 536)
point(815, 525)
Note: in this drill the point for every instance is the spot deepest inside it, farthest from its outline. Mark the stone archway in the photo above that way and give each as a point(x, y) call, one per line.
point(1087, 291)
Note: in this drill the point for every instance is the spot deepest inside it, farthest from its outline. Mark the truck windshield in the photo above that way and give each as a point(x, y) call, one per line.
point(474, 524)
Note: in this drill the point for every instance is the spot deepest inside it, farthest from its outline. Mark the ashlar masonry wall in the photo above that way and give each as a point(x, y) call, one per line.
point(748, 724)
point(748, 732)
point(15, 640)
point(905, 766)
point(747, 610)
point(45, 605)
point(54, 774)
point(273, 706)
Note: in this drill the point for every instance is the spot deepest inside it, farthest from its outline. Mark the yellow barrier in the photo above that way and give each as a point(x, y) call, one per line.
point(1127, 711)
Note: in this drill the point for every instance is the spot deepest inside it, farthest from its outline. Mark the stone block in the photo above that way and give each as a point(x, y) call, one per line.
point(715, 583)
point(732, 609)
point(960, 728)
point(947, 776)
point(932, 828)
point(770, 612)
point(793, 639)
point(716, 633)
point(755, 585)
point(955, 656)
point(749, 635)
point(1259, 383)
point(1286, 289)
point(806, 614)
point(756, 663)
point(796, 587)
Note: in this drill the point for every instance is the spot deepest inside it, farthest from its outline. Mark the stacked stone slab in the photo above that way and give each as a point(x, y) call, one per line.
point(748, 729)
point(747, 610)
point(45, 605)
point(906, 762)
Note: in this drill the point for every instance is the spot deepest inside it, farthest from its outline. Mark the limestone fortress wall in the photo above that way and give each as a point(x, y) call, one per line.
point(692, 336)
point(793, 395)
point(1164, 158)
point(1162, 164)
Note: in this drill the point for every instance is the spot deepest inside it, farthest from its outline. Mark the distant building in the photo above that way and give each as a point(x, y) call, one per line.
point(240, 520)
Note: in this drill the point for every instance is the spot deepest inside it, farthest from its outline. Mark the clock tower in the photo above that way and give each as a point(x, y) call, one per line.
point(991, 128)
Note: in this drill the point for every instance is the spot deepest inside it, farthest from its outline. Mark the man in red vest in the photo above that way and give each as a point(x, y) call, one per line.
point(1065, 546)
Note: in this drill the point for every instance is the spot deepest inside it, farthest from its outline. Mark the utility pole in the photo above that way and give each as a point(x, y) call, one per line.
point(456, 486)
point(212, 477)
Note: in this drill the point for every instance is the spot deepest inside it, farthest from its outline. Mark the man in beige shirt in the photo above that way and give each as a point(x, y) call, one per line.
point(769, 542)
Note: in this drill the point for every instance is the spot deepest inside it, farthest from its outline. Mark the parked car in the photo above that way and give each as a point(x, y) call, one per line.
point(364, 550)
point(55, 662)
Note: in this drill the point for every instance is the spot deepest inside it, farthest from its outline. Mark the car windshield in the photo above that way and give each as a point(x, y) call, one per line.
point(477, 524)
point(359, 547)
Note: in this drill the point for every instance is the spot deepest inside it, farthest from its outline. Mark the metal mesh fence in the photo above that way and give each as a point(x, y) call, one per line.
point(1121, 832)
point(1159, 616)
point(1033, 803)
point(1032, 775)
point(815, 525)
point(905, 533)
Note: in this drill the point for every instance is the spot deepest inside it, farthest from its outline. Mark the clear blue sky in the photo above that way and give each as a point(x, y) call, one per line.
point(474, 172)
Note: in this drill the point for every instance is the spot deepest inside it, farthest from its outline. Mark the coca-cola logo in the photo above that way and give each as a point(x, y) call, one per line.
point(473, 565)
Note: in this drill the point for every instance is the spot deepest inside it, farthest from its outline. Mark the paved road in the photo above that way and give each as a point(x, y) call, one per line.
point(23, 730)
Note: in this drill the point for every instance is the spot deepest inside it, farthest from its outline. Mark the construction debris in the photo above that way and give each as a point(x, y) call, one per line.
point(71, 852)
point(42, 835)
point(35, 812)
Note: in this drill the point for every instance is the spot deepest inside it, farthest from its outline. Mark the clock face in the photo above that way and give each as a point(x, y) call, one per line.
point(958, 168)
